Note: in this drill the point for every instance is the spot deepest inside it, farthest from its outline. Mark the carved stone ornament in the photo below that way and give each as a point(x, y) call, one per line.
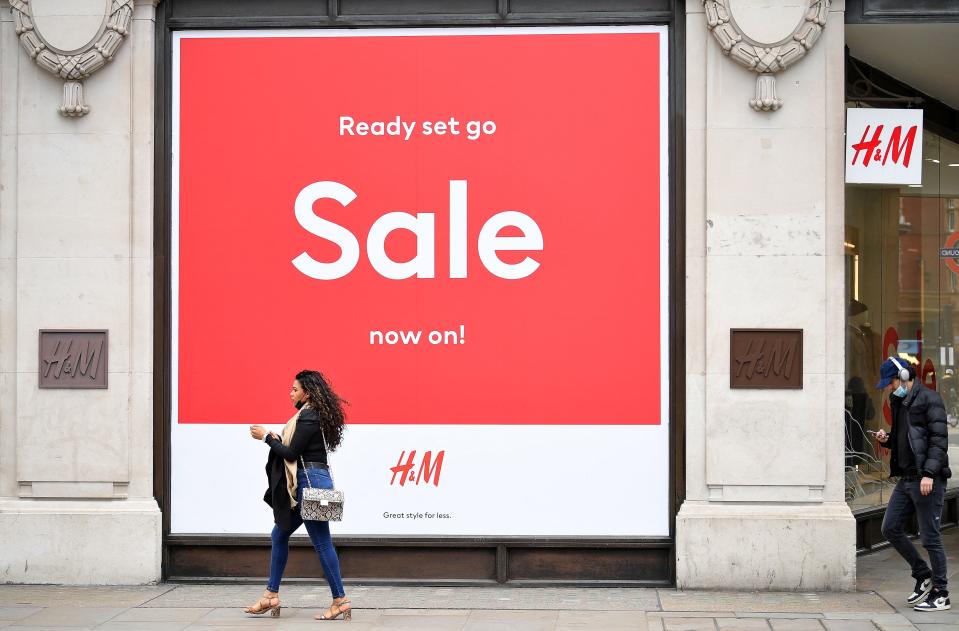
point(78, 63)
point(765, 58)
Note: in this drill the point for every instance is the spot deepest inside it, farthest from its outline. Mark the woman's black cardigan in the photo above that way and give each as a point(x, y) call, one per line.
point(308, 443)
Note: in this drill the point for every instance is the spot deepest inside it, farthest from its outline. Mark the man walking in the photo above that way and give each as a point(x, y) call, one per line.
point(919, 445)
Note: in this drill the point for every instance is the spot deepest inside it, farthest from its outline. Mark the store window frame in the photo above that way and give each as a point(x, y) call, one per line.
point(899, 11)
point(607, 561)
point(941, 120)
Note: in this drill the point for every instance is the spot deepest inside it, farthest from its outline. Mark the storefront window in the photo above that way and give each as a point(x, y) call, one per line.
point(902, 299)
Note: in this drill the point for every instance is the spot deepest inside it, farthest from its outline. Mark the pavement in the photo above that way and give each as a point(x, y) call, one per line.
point(878, 605)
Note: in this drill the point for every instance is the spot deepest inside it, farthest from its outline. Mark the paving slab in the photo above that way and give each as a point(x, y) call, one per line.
point(418, 613)
point(70, 596)
point(750, 624)
point(171, 614)
point(691, 614)
point(849, 625)
point(891, 619)
point(799, 624)
point(772, 614)
point(486, 620)
point(783, 602)
point(70, 617)
point(302, 626)
point(689, 624)
point(510, 616)
point(246, 623)
point(137, 625)
point(278, 625)
point(856, 615)
point(610, 620)
point(950, 616)
point(402, 621)
point(17, 613)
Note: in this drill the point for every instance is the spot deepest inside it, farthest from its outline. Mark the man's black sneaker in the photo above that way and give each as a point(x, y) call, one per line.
point(921, 591)
point(937, 601)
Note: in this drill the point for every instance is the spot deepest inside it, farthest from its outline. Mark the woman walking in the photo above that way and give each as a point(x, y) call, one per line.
point(301, 451)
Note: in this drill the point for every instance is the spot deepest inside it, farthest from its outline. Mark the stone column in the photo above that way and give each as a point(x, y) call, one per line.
point(764, 502)
point(76, 242)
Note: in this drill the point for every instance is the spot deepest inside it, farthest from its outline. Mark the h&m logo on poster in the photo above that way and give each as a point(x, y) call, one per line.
point(883, 146)
point(425, 471)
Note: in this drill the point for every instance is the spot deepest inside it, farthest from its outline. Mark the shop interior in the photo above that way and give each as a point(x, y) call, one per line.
point(902, 282)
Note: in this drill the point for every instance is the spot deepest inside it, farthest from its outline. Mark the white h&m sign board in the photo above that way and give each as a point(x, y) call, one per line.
point(883, 146)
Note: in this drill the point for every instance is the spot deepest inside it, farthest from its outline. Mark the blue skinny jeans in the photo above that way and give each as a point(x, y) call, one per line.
point(319, 532)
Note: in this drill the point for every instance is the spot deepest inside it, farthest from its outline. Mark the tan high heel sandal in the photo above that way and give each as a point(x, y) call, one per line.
point(266, 604)
point(340, 611)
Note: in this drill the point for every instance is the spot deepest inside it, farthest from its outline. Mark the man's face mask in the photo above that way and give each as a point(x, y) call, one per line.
point(900, 391)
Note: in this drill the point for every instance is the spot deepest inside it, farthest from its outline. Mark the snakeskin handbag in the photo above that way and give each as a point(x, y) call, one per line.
point(320, 504)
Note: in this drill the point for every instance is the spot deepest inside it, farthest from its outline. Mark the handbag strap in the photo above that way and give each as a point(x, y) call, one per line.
point(306, 473)
point(327, 452)
point(330, 470)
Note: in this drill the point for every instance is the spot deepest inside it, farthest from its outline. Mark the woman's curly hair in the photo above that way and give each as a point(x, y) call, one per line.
point(329, 405)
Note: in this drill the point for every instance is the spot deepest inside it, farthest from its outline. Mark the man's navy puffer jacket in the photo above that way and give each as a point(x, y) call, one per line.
point(928, 431)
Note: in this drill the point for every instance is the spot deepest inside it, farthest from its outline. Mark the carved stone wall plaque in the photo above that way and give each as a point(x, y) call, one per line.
point(72, 60)
point(765, 358)
point(74, 359)
point(762, 57)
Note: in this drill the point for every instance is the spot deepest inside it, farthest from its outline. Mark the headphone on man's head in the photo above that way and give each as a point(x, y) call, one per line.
point(903, 371)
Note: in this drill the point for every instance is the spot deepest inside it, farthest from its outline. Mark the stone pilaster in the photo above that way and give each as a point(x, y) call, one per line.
point(76, 218)
point(764, 502)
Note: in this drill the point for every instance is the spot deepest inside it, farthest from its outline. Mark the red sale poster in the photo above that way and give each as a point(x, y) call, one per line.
point(459, 227)
point(562, 131)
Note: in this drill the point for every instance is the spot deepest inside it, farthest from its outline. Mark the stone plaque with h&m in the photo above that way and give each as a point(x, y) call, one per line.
point(74, 359)
point(765, 358)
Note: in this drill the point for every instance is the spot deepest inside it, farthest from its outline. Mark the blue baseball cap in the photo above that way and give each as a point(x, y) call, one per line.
point(889, 371)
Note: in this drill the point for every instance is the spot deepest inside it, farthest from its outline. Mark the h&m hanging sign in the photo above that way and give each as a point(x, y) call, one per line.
point(883, 146)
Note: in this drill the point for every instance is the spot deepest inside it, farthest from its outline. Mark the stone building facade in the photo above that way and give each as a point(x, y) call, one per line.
point(758, 204)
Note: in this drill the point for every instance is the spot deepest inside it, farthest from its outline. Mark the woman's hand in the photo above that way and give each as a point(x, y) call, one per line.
point(257, 432)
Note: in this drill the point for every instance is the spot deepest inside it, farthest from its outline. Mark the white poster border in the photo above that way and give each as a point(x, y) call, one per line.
point(658, 435)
